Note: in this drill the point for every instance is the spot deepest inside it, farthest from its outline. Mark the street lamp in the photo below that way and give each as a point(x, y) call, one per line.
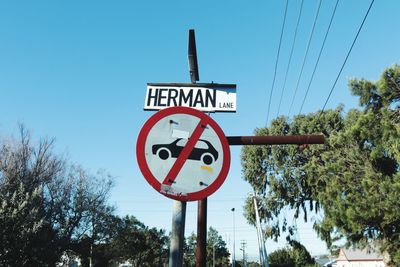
point(234, 259)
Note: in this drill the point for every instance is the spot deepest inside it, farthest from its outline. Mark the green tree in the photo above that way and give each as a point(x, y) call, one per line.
point(94, 246)
point(296, 255)
point(281, 258)
point(141, 245)
point(214, 241)
point(189, 251)
point(300, 255)
point(46, 204)
point(354, 178)
point(253, 264)
point(216, 244)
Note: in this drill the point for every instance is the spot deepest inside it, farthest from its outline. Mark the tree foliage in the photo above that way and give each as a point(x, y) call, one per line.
point(46, 205)
point(354, 177)
point(280, 258)
point(214, 241)
point(189, 251)
point(294, 256)
point(50, 209)
point(216, 244)
point(139, 244)
point(300, 255)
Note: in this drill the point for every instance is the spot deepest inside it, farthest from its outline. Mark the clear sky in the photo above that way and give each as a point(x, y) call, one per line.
point(77, 71)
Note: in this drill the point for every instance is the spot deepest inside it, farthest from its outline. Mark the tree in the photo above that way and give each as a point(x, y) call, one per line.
point(94, 247)
point(189, 250)
point(300, 255)
point(216, 244)
point(156, 246)
point(294, 256)
point(214, 241)
point(141, 245)
point(280, 258)
point(253, 264)
point(239, 263)
point(354, 178)
point(46, 204)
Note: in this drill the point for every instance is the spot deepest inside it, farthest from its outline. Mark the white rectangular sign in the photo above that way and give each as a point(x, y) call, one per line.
point(205, 98)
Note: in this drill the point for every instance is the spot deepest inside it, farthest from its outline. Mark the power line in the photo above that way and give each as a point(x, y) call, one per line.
point(347, 56)
point(277, 59)
point(290, 57)
point(319, 55)
point(305, 55)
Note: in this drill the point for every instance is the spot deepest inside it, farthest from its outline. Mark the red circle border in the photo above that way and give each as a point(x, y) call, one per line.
point(148, 175)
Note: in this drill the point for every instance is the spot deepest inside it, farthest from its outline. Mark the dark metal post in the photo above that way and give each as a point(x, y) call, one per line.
point(192, 55)
point(201, 250)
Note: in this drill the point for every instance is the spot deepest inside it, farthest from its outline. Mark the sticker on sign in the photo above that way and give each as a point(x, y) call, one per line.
point(205, 97)
point(183, 153)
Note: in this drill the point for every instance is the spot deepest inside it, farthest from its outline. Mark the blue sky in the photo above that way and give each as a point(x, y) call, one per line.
point(77, 71)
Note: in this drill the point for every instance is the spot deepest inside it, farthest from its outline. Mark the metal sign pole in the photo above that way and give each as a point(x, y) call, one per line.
point(177, 234)
point(179, 209)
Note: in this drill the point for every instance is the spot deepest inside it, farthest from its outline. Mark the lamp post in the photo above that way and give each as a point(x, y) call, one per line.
point(233, 258)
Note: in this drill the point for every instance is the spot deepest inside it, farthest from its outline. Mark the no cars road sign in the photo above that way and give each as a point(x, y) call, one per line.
point(183, 153)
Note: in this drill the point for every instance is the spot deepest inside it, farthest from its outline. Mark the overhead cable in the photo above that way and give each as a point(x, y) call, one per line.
point(276, 61)
point(305, 56)
point(319, 55)
point(290, 57)
point(347, 56)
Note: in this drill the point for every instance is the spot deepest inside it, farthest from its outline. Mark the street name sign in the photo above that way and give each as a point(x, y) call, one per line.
point(208, 97)
point(183, 153)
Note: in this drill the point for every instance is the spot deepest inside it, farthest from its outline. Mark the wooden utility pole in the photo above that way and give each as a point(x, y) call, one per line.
point(243, 248)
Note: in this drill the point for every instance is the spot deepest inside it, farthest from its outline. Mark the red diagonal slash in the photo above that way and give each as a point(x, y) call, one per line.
point(176, 168)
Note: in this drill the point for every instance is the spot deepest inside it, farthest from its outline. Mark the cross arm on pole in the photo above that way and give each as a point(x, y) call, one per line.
point(276, 140)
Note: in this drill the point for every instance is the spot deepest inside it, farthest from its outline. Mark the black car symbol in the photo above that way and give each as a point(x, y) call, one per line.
point(207, 155)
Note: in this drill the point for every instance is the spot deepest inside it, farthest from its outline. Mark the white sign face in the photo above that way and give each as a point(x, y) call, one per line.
point(183, 155)
point(213, 99)
point(162, 150)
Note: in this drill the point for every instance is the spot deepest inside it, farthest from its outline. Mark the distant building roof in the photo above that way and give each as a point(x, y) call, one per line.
point(322, 261)
point(358, 254)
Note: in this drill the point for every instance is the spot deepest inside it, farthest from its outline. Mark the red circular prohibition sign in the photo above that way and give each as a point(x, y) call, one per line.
point(205, 120)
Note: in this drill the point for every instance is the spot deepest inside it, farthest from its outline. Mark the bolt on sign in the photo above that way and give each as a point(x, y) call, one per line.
point(208, 97)
point(183, 153)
